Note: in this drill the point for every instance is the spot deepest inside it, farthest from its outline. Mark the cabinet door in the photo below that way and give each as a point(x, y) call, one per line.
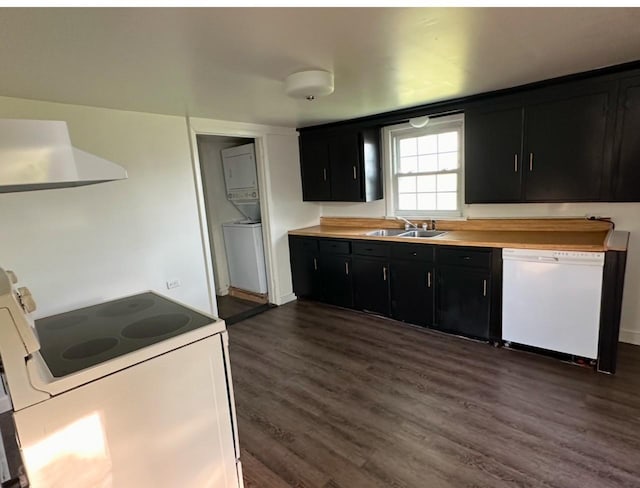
point(493, 156)
point(371, 284)
point(345, 156)
point(412, 285)
point(626, 183)
point(336, 279)
point(565, 149)
point(462, 301)
point(314, 161)
point(305, 268)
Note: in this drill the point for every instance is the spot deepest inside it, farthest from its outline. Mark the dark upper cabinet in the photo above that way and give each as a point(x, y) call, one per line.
point(549, 145)
point(493, 154)
point(626, 166)
point(315, 171)
point(341, 165)
point(371, 284)
point(412, 285)
point(565, 148)
point(305, 267)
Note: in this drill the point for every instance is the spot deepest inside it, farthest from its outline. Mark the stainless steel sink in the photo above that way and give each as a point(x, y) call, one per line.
point(386, 232)
point(422, 233)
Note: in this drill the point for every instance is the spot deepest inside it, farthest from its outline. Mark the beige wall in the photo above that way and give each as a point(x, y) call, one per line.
point(625, 216)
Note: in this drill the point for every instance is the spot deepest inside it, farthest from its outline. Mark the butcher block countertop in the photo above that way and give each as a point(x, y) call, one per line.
point(551, 234)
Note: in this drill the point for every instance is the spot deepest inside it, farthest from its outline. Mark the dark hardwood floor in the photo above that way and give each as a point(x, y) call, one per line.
point(338, 399)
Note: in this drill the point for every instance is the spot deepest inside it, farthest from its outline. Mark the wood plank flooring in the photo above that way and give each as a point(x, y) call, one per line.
point(331, 398)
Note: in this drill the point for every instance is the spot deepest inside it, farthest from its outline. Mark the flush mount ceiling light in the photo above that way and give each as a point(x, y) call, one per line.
point(419, 122)
point(309, 84)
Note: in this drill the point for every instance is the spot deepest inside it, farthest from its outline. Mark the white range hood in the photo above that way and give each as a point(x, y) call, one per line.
point(38, 155)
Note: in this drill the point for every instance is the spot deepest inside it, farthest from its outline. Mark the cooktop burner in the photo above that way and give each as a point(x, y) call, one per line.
point(79, 339)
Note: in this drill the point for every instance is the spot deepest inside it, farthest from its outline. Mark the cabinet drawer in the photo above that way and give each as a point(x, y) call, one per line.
point(329, 246)
point(465, 257)
point(305, 244)
point(368, 248)
point(417, 252)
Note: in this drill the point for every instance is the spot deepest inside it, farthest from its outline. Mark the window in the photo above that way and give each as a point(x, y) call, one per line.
point(425, 168)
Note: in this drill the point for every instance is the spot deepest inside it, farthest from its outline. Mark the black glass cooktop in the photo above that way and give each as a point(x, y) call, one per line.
point(76, 340)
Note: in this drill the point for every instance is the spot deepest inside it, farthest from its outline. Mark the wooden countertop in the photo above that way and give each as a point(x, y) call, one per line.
point(596, 241)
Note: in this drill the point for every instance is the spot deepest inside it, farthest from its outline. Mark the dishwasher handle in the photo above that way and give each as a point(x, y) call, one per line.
point(547, 259)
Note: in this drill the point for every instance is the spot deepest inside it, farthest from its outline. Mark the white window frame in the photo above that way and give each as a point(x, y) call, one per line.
point(435, 125)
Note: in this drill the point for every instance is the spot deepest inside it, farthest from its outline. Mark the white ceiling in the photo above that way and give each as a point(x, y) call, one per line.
point(229, 63)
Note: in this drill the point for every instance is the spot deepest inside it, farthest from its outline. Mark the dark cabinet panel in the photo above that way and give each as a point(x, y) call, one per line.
point(493, 156)
point(314, 161)
point(371, 284)
point(565, 148)
point(341, 165)
point(345, 156)
point(626, 182)
point(463, 301)
point(336, 280)
point(305, 267)
point(412, 285)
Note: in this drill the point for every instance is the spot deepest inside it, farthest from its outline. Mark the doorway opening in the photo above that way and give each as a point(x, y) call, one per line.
point(234, 222)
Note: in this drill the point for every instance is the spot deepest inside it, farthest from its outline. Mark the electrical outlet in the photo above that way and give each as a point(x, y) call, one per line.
point(173, 284)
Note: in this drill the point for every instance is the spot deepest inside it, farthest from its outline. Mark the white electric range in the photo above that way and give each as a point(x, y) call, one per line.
point(134, 392)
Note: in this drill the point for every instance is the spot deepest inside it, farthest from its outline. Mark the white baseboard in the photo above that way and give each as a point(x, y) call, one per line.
point(630, 336)
point(286, 299)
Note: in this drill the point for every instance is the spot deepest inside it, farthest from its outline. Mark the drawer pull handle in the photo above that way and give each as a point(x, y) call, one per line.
point(384, 273)
point(414, 253)
point(315, 264)
point(530, 161)
point(484, 288)
point(515, 163)
point(346, 267)
point(466, 258)
point(354, 173)
point(428, 279)
point(324, 173)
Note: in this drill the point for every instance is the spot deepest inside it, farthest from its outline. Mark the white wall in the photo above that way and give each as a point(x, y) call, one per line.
point(78, 246)
point(625, 216)
point(219, 209)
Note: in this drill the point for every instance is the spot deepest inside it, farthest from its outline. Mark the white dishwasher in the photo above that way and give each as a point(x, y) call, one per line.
point(551, 299)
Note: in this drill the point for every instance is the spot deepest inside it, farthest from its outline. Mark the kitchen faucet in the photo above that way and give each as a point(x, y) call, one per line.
point(407, 223)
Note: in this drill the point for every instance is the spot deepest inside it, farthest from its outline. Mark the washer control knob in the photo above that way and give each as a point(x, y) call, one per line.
point(12, 276)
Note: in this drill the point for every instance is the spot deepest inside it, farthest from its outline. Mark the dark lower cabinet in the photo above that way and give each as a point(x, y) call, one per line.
point(412, 285)
point(463, 301)
point(371, 284)
point(454, 289)
point(305, 267)
point(336, 279)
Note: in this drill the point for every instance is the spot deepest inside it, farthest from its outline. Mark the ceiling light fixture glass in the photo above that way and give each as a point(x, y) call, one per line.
point(309, 84)
point(419, 122)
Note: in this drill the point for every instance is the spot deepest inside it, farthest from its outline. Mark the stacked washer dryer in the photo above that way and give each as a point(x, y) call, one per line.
point(243, 238)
